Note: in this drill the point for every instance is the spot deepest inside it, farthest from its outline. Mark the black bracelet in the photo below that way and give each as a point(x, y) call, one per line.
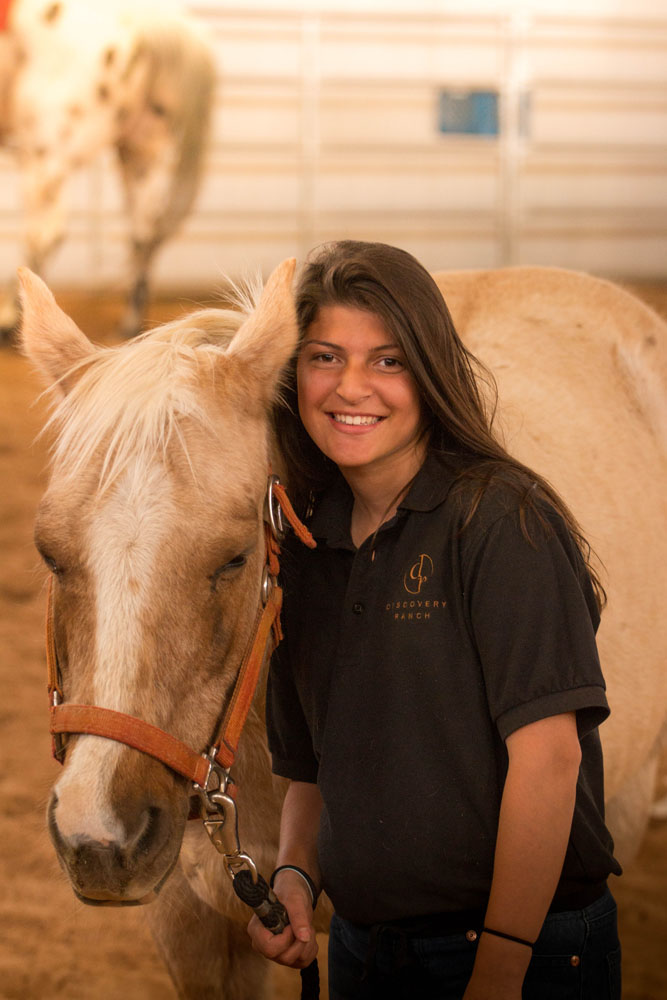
point(304, 875)
point(508, 937)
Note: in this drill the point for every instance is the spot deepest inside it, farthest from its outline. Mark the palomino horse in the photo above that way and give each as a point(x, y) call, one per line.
point(75, 78)
point(151, 528)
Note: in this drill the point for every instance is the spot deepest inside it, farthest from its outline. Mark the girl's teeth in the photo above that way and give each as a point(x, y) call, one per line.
point(344, 418)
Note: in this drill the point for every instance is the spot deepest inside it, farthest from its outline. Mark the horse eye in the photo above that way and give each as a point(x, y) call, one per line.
point(51, 564)
point(236, 563)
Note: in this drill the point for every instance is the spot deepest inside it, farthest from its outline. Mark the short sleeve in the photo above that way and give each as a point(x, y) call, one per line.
point(533, 618)
point(289, 738)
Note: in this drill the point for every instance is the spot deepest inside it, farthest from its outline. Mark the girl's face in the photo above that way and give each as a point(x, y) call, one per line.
point(357, 399)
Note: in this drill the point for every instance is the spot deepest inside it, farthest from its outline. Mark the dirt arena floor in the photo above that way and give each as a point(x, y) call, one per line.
point(51, 946)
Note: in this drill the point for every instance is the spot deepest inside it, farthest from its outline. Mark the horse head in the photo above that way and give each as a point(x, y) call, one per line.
point(152, 529)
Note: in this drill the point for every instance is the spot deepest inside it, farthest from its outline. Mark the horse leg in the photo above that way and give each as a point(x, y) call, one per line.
point(147, 184)
point(137, 297)
point(161, 145)
point(148, 174)
point(206, 954)
point(43, 230)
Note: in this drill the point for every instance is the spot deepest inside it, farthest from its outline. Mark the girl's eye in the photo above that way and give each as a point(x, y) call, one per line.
point(324, 358)
point(391, 364)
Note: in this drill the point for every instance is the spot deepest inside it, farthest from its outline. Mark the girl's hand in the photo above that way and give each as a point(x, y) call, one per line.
point(499, 970)
point(296, 946)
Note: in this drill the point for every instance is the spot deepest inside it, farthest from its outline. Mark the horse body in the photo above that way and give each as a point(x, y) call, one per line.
point(581, 367)
point(152, 524)
point(78, 78)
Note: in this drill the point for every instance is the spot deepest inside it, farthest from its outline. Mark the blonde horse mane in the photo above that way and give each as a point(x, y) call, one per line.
point(127, 402)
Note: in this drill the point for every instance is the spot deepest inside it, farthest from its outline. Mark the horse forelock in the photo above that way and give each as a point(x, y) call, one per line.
point(129, 402)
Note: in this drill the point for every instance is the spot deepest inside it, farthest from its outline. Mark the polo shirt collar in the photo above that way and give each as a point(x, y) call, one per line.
point(431, 486)
point(432, 483)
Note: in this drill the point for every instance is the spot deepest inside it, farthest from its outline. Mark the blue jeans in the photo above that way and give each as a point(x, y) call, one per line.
point(576, 957)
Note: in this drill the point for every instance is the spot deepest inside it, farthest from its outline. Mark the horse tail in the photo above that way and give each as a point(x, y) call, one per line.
point(179, 84)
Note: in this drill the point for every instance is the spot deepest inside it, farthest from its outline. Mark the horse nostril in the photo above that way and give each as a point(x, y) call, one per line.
point(146, 843)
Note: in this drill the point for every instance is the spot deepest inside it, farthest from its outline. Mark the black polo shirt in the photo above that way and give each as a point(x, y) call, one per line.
point(406, 664)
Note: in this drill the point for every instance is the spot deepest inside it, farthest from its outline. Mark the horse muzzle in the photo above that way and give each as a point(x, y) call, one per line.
point(126, 871)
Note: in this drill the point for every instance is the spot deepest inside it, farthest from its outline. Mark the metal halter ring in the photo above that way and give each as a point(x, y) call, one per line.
point(268, 583)
point(234, 863)
point(274, 511)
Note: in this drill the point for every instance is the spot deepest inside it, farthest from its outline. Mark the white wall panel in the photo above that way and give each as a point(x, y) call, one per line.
point(602, 119)
point(357, 187)
point(249, 186)
point(389, 119)
point(256, 46)
point(326, 125)
point(619, 253)
point(262, 117)
point(622, 51)
point(595, 184)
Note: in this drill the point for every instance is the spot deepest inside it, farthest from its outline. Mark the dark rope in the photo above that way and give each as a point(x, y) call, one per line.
point(261, 899)
point(310, 981)
point(273, 915)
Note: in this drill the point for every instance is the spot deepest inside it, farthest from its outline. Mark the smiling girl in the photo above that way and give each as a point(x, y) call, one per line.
point(359, 404)
point(436, 700)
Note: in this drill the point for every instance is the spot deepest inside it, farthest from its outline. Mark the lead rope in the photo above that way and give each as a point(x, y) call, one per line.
point(219, 811)
point(261, 898)
point(220, 817)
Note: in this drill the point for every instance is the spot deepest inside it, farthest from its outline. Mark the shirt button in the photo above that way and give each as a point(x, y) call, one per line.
point(358, 608)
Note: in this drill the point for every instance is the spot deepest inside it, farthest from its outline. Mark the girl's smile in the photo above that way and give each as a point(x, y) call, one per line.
point(354, 420)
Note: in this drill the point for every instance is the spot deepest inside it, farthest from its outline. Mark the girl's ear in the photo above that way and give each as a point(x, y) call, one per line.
point(267, 339)
point(49, 338)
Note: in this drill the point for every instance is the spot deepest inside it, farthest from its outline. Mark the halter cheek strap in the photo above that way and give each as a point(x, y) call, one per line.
point(4, 14)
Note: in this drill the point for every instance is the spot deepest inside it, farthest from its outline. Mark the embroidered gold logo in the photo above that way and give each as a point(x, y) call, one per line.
point(418, 574)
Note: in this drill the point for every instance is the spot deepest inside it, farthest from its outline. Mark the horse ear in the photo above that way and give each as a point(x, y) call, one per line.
point(265, 341)
point(49, 338)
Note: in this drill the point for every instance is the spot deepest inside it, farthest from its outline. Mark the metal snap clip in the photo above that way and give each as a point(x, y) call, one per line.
point(471, 935)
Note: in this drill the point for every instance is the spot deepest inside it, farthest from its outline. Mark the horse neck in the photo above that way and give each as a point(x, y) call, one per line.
point(258, 787)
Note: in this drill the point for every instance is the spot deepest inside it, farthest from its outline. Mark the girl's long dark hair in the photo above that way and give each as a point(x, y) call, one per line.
point(458, 417)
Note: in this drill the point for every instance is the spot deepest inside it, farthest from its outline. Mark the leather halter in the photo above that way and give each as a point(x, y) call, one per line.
point(4, 14)
point(149, 739)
